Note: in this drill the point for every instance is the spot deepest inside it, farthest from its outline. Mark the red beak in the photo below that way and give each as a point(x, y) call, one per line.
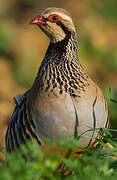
point(38, 20)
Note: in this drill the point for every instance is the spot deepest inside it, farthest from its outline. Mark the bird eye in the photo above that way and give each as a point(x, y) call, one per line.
point(54, 18)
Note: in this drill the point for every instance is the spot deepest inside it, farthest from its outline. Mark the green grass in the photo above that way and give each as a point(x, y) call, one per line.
point(30, 163)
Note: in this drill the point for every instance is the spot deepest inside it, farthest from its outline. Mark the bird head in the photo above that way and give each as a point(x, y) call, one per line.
point(55, 22)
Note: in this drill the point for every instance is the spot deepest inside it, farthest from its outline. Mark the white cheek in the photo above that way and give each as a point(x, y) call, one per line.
point(55, 32)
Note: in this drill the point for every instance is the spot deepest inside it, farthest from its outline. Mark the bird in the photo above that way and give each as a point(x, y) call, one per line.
point(63, 100)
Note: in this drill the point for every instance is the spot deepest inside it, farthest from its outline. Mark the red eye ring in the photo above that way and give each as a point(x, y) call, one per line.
point(54, 18)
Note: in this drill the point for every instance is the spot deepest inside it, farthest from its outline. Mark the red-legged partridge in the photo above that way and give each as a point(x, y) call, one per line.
point(63, 100)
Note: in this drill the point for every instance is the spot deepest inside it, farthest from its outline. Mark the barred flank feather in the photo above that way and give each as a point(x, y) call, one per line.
point(21, 126)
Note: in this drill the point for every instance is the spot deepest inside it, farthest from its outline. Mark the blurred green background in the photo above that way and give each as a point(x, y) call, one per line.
point(22, 48)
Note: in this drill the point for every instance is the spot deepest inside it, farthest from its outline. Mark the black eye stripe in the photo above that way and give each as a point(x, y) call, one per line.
point(45, 19)
point(59, 22)
point(65, 29)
